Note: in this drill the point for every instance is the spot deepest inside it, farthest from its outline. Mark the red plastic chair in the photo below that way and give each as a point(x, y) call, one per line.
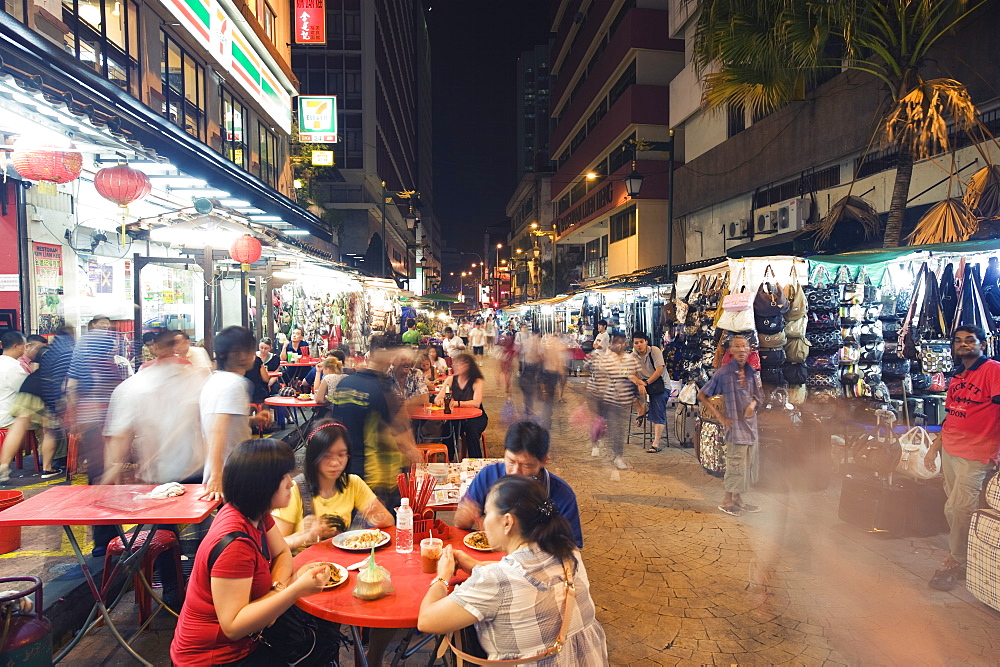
point(433, 449)
point(30, 445)
point(163, 540)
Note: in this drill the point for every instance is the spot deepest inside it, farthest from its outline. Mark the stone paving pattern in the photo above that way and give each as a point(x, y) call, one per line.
point(678, 582)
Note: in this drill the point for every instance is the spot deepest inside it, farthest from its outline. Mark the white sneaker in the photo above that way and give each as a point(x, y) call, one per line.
point(620, 463)
point(4, 473)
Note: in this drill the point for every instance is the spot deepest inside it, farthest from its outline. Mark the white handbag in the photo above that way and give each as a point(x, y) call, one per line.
point(688, 394)
point(915, 444)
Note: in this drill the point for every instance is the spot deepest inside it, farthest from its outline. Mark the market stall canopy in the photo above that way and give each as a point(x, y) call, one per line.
point(798, 242)
point(875, 261)
point(439, 297)
point(648, 277)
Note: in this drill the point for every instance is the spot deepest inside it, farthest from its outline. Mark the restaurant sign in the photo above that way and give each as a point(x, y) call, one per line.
point(322, 158)
point(310, 21)
point(233, 46)
point(318, 119)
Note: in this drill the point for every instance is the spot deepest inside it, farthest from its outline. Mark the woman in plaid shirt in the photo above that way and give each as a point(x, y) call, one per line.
point(519, 604)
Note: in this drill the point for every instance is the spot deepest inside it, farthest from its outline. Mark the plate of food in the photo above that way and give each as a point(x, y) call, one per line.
point(360, 540)
point(338, 575)
point(477, 541)
point(305, 397)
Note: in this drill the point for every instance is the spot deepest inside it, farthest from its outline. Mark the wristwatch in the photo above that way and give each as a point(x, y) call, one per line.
point(437, 579)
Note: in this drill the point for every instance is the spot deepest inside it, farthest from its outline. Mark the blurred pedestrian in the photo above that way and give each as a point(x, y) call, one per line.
point(491, 332)
point(739, 384)
point(378, 427)
point(508, 353)
point(93, 375)
point(477, 338)
point(452, 344)
point(12, 376)
point(198, 356)
point(530, 376)
point(463, 332)
point(224, 403)
point(614, 386)
point(35, 346)
point(554, 361)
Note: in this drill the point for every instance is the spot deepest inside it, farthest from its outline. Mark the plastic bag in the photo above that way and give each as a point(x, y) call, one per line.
point(688, 394)
point(915, 443)
point(373, 582)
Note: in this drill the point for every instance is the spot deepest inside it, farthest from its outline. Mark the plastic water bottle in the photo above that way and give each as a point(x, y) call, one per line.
point(404, 527)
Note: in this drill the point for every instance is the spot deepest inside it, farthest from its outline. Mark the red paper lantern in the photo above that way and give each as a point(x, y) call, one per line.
point(122, 184)
point(56, 165)
point(245, 250)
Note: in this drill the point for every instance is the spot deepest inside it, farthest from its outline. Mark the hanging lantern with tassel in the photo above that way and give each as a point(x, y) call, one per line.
point(246, 250)
point(48, 163)
point(122, 185)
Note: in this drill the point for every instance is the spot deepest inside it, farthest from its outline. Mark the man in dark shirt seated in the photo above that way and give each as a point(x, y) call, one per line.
point(526, 451)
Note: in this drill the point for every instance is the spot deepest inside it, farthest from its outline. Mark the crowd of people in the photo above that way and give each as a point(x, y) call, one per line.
point(362, 436)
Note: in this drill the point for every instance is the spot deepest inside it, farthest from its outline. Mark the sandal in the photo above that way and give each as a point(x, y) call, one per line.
point(653, 449)
point(945, 580)
point(747, 507)
point(731, 510)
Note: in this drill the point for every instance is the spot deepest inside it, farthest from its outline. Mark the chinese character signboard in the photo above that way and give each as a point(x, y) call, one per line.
point(49, 286)
point(322, 158)
point(310, 21)
point(318, 119)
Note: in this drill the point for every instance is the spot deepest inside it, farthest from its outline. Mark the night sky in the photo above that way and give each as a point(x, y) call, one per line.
point(475, 45)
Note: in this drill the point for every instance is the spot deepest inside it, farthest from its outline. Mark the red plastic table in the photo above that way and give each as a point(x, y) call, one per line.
point(69, 506)
point(398, 610)
point(429, 413)
point(294, 403)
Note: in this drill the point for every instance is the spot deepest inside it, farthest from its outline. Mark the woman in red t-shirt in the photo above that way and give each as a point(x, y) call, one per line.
point(244, 592)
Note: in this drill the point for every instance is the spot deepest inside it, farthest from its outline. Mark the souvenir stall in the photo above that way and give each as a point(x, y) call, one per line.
point(383, 307)
point(328, 305)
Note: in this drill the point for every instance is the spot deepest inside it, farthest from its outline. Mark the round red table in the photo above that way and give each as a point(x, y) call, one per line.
point(398, 610)
point(429, 413)
point(294, 403)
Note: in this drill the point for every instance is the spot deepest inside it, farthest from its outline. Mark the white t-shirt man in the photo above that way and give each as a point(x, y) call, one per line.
point(452, 346)
point(167, 450)
point(602, 341)
point(225, 393)
point(11, 376)
point(477, 337)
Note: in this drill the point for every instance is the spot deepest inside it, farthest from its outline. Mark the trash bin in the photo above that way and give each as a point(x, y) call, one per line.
point(10, 536)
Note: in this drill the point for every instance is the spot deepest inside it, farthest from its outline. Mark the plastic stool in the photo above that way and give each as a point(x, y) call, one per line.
point(29, 445)
point(430, 449)
point(163, 540)
point(644, 432)
point(482, 445)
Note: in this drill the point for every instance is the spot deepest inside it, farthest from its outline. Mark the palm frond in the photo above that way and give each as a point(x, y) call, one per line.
point(850, 208)
point(948, 221)
point(982, 194)
point(919, 120)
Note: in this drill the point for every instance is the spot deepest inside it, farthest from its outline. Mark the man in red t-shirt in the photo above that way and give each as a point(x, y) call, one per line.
point(970, 436)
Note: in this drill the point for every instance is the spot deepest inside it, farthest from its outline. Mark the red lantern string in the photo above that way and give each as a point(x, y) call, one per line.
point(54, 164)
point(246, 250)
point(122, 185)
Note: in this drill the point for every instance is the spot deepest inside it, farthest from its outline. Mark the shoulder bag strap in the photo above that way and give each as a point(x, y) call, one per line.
point(307, 501)
point(567, 616)
point(221, 545)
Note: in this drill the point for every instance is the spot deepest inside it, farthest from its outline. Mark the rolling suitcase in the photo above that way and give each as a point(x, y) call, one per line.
point(686, 424)
point(982, 576)
point(874, 505)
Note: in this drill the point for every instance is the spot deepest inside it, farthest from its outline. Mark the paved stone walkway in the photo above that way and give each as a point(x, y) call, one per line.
point(678, 582)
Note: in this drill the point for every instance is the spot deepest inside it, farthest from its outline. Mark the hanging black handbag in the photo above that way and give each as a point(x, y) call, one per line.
point(820, 296)
point(769, 324)
point(990, 286)
point(823, 361)
point(921, 382)
point(795, 373)
point(824, 341)
point(770, 300)
point(772, 375)
point(772, 357)
point(871, 353)
point(895, 369)
point(823, 321)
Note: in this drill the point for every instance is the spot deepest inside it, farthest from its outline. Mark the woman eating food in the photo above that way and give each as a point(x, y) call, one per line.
point(242, 580)
point(466, 391)
point(325, 497)
point(535, 599)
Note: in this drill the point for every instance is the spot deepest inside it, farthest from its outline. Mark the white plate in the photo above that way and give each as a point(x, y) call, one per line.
point(340, 539)
point(469, 537)
point(343, 575)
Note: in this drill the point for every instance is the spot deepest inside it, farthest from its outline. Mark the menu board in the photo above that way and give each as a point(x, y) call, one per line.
point(47, 258)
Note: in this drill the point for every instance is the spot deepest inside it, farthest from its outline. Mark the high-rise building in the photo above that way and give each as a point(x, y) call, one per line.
point(376, 60)
point(612, 62)
point(533, 84)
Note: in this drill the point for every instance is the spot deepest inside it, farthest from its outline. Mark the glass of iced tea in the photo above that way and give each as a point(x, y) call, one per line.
point(430, 552)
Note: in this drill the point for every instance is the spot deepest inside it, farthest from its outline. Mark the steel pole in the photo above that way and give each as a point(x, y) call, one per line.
point(670, 210)
point(385, 245)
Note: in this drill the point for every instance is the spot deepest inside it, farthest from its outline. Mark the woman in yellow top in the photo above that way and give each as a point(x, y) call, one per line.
point(332, 495)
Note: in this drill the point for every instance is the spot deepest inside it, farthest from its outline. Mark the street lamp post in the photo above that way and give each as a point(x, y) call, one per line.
point(634, 181)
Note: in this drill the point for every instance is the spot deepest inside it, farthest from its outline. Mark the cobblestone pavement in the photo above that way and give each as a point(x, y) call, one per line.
point(678, 582)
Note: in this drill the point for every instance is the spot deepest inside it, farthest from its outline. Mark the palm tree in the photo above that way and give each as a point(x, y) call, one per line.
point(760, 54)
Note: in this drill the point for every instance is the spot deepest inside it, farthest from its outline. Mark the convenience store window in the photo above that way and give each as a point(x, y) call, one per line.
point(183, 93)
point(104, 35)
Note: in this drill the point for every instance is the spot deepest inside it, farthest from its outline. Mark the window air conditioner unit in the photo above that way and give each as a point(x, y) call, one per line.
point(793, 214)
point(767, 222)
point(739, 229)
